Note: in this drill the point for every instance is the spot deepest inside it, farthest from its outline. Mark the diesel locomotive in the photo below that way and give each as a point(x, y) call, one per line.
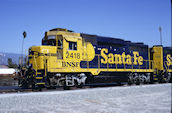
point(67, 59)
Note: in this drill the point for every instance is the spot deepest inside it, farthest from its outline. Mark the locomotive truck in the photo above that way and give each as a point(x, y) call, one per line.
point(67, 59)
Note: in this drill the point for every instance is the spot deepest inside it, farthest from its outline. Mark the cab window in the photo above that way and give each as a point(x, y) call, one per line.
point(49, 42)
point(51, 37)
point(60, 48)
point(60, 43)
point(72, 46)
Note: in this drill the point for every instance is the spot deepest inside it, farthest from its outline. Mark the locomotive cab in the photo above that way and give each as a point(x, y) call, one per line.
point(61, 52)
point(64, 40)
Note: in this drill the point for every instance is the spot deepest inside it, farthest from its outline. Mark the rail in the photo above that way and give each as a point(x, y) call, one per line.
point(45, 65)
point(147, 64)
point(35, 63)
point(166, 66)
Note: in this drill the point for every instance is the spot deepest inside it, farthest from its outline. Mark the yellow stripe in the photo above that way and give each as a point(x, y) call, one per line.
point(154, 75)
point(100, 70)
point(169, 70)
point(41, 83)
point(155, 78)
point(39, 77)
point(38, 72)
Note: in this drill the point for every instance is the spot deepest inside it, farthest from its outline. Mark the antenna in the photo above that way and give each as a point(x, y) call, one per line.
point(160, 29)
point(171, 23)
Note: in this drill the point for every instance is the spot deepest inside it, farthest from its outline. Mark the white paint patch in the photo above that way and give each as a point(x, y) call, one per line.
point(7, 71)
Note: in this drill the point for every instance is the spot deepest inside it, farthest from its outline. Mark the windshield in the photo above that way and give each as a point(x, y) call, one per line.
point(51, 42)
point(51, 37)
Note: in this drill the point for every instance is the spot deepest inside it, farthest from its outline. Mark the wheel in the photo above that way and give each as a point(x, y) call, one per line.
point(24, 83)
point(130, 79)
point(76, 84)
point(167, 77)
point(136, 79)
point(141, 79)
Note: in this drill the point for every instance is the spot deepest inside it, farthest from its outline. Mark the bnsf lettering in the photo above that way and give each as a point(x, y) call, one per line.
point(70, 64)
point(120, 59)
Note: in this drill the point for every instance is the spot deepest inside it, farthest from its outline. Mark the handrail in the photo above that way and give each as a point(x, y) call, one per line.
point(147, 63)
point(98, 61)
point(35, 63)
point(45, 64)
point(165, 64)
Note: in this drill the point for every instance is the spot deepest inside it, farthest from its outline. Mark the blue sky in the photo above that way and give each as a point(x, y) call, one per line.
point(134, 20)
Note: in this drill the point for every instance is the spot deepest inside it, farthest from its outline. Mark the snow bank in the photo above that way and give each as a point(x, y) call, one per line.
point(7, 71)
point(134, 99)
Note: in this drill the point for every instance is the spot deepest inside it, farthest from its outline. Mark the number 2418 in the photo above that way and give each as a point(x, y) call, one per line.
point(72, 55)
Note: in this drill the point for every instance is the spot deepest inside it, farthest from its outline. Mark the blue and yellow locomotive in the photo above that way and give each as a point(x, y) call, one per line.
point(66, 58)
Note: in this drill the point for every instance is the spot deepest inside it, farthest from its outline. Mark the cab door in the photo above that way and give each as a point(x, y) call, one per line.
point(59, 47)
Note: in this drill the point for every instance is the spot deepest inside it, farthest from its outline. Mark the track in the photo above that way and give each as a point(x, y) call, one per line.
point(14, 89)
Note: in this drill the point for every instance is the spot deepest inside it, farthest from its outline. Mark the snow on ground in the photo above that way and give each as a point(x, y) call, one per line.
point(135, 99)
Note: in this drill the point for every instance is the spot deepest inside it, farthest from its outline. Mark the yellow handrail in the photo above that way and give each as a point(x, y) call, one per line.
point(165, 64)
point(45, 64)
point(150, 62)
point(35, 63)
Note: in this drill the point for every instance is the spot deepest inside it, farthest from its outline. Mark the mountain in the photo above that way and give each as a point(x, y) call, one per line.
point(4, 58)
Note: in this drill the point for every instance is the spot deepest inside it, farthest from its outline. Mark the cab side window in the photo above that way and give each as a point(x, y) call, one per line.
point(72, 45)
point(60, 48)
point(60, 43)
